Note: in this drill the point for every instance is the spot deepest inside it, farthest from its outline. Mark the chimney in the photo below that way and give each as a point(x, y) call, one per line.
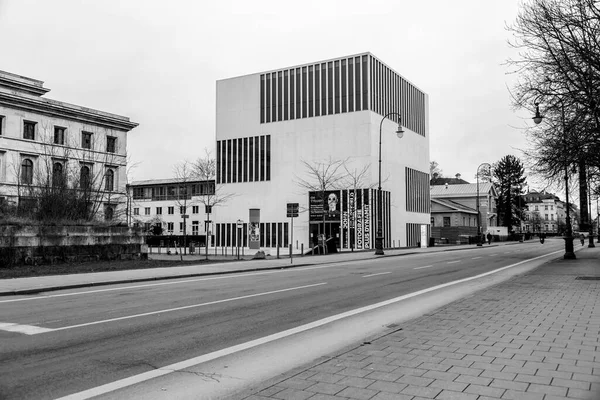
point(457, 176)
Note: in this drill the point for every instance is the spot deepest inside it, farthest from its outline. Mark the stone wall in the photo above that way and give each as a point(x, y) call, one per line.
point(48, 244)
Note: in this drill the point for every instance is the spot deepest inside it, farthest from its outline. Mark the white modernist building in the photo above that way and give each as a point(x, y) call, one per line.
point(271, 124)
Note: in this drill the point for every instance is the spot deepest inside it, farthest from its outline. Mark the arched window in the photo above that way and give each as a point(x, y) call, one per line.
point(57, 174)
point(109, 180)
point(84, 177)
point(27, 172)
point(109, 212)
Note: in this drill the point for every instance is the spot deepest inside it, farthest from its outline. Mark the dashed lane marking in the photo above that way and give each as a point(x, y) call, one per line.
point(380, 273)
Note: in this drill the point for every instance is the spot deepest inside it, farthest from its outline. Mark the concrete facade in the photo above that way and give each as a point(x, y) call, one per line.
point(40, 135)
point(312, 119)
point(544, 212)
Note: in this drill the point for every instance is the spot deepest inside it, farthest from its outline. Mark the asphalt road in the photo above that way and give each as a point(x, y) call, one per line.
point(89, 337)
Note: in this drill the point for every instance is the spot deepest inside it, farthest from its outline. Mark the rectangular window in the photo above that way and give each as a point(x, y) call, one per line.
point(218, 172)
point(552, 217)
point(171, 210)
point(268, 235)
point(147, 211)
point(268, 98)
point(195, 209)
point(181, 227)
point(336, 83)
point(310, 91)
point(286, 240)
point(446, 221)
point(279, 97)
point(274, 97)
point(344, 88)
point(246, 159)
point(304, 96)
point(195, 225)
point(170, 227)
point(546, 217)
point(292, 92)
point(351, 84)
point(234, 161)
point(357, 90)
point(262, 104)
point(86, 140)
point(274, 235)
point(268, 161)
point(228, 160)
point(256, 159)
point(1, 125)
point(323, 89)
point(181, 210)
point(298, 90)
point(29, 130)
point(365, 84)
point(279, 234)
point(136, 211)
point(330, 107)
point(262, 235)
point(59, 135)
point(111, 144)
point(285, 95)
point(317, 90)
point(158, 210)
point(251, 159)
point(262, 158)
point(240, 160)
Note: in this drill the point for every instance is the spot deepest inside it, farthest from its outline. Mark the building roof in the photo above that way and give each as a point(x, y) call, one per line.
point(453, 206)
point(462, 190)
point(449, 181)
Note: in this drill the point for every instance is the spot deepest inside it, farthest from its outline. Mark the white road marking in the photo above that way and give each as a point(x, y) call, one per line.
point(380, 273)
point(427, 266)
point(475, 258)
point(26, 329)
point(454, 262)
point(176, 309)
point(145, 376)
point(495, 254)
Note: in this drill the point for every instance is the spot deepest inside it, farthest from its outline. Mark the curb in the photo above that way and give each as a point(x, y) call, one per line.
point(157, 278)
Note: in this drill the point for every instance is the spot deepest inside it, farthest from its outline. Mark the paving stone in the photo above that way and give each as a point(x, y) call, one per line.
point(392, 396)
point(554, 374)
point(271, 390)
point(325, 388)
point(391, 387)
point(465, 371)
point(296, 383)
point(381, 367)
point(451, 395)
point(568, 383)
point(551, 390)
point(440, 375)
point(426, 392)
point(415, 380)
point(485, 390)
point(474, 380)
point(435, 367)
point(257, 397)
point(354, 372)
point(538, 365)
point(515, 395)
point(293, 394)
point(410, 371)
point(355, 382)
point(448, 385)
point(498, 375)
point(357, 393)
point(384, 376)
point(321, 396)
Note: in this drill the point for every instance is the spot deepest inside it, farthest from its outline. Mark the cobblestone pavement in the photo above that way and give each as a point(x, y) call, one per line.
point(533, 337)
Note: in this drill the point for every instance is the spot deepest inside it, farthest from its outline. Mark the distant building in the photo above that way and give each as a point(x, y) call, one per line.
point(436, 181)
point(44, 141)
point(269, 123)
point(545, 212)
point(171, 206)
point(454, 210)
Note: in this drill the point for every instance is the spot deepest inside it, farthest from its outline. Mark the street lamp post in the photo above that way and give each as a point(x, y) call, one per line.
point(591, 230)
point(477, 202)
point(379, 237)
point(569, 253)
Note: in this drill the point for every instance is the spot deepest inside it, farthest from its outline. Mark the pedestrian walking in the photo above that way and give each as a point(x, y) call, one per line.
point(489, 238)
point(582, 238)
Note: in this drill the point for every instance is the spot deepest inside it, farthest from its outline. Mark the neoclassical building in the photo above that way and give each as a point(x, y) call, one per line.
point(44, 143)
point(271, 125)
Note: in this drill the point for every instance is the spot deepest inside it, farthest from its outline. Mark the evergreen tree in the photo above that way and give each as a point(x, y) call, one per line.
point(509, 179)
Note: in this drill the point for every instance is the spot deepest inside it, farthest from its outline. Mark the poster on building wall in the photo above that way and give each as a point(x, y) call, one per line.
point(254, 229)
point(424, 239)
point(331, 206)
point(345, 220)
point(366, 220)
point(358, 221)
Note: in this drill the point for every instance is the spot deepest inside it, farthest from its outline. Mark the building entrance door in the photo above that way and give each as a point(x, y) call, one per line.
point(332, 230)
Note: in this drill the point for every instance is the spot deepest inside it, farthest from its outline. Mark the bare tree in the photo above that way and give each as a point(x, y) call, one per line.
point(205, 170)
point(321, 177)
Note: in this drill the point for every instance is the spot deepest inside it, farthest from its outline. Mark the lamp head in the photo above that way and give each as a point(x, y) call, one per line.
point(399, 132)
point(537, 118)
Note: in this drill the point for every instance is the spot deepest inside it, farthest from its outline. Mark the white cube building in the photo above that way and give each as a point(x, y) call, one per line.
point(270, 124)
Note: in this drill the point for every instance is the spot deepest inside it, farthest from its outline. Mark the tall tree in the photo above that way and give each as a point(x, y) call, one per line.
point(509, 178)
point(435, 171)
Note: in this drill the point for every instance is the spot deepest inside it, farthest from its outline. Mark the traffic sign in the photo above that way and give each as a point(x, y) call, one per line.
point(184, 216)
point(292, 209)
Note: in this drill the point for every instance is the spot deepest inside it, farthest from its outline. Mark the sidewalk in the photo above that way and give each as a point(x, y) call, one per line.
point(21, 286)
point(535, 336)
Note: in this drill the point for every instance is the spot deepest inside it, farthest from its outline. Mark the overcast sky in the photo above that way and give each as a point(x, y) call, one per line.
point(157, 62)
